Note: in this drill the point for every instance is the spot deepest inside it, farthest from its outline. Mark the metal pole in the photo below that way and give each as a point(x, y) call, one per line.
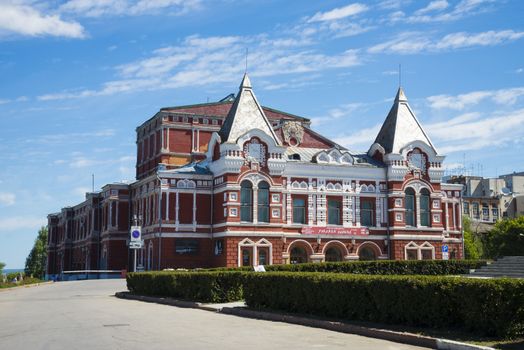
point(159, 222)
point(134, 267)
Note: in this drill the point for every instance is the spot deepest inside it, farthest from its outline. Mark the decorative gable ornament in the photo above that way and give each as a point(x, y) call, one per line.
point(293, 133)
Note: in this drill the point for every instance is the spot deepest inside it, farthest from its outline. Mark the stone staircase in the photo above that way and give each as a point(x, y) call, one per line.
point(507, 266)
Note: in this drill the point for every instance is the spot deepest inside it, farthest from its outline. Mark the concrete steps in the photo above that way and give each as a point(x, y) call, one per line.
point(508, 266)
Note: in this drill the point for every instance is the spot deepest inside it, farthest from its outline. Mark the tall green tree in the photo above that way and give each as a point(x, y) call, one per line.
point(506, 238)
point(2, 265)
point(36, 260)
point(472, 244)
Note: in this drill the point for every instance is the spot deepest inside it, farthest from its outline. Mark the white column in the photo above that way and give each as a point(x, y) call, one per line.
point(177, 207)
point(378, 211)
point(453, 220)
point(357, 210)
point(167, 205)
point(289, 211)
point(346, 214)
point(446, 214)
point(194, 211)
point(255, 204)
point(310, 209)
point(417, 199)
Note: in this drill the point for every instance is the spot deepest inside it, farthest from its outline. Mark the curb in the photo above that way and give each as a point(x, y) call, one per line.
point(384, 334)
point(26, 286)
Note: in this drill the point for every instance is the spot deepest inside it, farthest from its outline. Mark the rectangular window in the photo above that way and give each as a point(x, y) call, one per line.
point(366, 213)
point(426, 254)
point(411, 254)
point(334, 206)
point(476, 214)
point(186, 246)
point(466, 208)
point(299, 211)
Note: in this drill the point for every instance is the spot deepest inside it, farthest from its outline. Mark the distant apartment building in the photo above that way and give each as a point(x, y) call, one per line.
point(489, 199)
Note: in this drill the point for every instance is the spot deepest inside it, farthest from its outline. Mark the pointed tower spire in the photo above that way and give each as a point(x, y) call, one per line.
point(401, 127)
point(245, 114)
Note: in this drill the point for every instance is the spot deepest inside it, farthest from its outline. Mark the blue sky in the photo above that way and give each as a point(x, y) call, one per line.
point(78, 76)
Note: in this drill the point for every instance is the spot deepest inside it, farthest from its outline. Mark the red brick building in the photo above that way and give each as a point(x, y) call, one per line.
point(233, 183)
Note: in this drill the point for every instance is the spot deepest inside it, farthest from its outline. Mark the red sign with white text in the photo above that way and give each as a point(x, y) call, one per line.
point(350, 231)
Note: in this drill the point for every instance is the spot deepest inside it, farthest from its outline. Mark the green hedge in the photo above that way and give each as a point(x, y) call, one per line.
point(488, 307)
point(379, 267)
point(214, 287)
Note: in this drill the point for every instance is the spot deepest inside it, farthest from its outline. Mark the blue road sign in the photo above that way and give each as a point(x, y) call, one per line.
point(445, 249)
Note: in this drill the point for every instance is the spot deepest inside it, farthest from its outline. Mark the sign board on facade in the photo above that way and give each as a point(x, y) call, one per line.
point(445, 252)
point(259, 268)
point(336, 231)
point(136, 244)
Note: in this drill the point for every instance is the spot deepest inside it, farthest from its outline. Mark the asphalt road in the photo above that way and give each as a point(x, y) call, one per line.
point(86, 315)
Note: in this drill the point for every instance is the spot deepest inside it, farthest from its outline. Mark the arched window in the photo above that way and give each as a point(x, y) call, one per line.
point(410, 207)
point(246, 201)
point(263, 202)
point(424, 208)
point(298, 255)
point(366, 253)
point(333, 254)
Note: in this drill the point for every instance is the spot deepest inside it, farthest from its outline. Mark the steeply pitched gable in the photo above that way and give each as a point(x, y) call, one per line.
point(245, 114)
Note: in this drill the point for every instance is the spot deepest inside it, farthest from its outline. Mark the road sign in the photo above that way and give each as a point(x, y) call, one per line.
point(135, 234)
point(136, 244)
point(445, 248)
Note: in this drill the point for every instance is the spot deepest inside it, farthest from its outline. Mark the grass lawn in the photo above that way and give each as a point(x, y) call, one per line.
point(26, 281)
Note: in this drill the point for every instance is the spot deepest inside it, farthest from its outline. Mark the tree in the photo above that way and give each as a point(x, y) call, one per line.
point(472, 245)
point(35, 263)
point(506, 238)
point(2, 265)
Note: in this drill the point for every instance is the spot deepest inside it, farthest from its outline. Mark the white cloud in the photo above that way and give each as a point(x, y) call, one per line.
point(343, 111)
point(360, 140)
point(433, 12)
point(412, 42)
point(199, 61)
point(7, 198)
point(22, 19)
point(75, 137)
point(339, 13)
point(21, 223)
point(437, 5)
point(519, 70)
point(459, 102)
point(99, 8)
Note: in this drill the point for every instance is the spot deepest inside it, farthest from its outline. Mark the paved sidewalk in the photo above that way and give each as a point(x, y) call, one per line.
point(239, 308)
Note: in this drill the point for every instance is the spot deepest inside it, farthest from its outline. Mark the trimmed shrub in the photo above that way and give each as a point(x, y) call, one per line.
point(379, 267)
point(214, 287)
point(488, 307)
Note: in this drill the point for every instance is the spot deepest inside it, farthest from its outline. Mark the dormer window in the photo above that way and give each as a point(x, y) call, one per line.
point(294, 156)
point(417, 160)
